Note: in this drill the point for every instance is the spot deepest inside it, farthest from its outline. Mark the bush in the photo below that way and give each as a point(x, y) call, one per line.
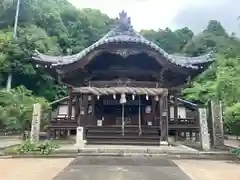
point(236, 151)
point(46, 147)
point(16, 109)
point(232, 119)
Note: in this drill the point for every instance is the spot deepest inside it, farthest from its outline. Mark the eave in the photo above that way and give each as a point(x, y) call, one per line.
point(122, 33)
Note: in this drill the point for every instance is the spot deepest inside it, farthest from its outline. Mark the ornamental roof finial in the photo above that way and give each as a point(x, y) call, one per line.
point(124, 19)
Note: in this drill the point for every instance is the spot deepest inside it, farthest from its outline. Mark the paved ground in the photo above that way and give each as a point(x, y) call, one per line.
point(86, 168)
point(31, 169)
point(8, 142)
point(210, 170)
point(122, 168)
point(232, 142)
point(129, 148)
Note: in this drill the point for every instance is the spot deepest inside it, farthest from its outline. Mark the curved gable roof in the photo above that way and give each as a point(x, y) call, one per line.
point(123, 32)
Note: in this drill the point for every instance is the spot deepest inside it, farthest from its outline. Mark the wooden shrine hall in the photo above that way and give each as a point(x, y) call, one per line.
point(123, 89)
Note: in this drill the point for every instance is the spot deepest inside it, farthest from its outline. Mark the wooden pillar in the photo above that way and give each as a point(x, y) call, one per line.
point(153, 111)
point(160, 115)
point(70, 95)
point(77, 110)
point(93, 117)
point(84, 119)
point(169, 107)
point(175, 106)
point(139, 116)
point(164, 119)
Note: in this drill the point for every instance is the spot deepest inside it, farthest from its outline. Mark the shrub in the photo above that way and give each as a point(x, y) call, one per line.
point(236, 151)
point(16, 109)
point(46, 147)
point(232, 119)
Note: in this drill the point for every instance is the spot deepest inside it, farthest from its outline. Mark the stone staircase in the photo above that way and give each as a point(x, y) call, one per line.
point(113, 135)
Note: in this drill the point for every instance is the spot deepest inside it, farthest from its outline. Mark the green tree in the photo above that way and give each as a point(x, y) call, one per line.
point(53, 27)
point(16, 109)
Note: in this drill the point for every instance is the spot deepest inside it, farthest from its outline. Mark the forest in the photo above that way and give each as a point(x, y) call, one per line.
point(56, 27)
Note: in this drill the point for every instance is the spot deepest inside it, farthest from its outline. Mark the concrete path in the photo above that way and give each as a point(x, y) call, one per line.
point(31, 169)
point(9, 142)
point(232, 142)
point(210, 170)
point(122, 168)
point(107, 168)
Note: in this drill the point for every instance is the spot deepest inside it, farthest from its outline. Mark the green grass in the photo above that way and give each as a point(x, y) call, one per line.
point(11, 149)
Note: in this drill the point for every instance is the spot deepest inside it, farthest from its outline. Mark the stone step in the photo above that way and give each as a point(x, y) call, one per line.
point(123, 142)
point(10, 137)
point(124, 137)
point(119, 127)
point(172, 152)
point(119, 133)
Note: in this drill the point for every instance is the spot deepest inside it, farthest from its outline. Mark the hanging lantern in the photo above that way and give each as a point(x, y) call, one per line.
point(89, 109)
point(123, 99)
point(114, 96)
point(147, 97)
point(148, 109)
point(156, 98)
point(89, 98)
point(98, 97)
point(133, 97)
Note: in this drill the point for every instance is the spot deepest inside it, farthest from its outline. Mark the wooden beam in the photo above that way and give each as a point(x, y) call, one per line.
point(124, 82)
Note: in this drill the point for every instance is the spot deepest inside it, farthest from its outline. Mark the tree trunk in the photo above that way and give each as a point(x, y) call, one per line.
point(9, 82)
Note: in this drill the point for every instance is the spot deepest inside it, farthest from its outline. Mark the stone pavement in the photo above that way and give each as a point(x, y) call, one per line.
point(210, 170)
point(122, 168)
point(8, 142)
point(232, 142)
point(31, 169)
point(127, 148)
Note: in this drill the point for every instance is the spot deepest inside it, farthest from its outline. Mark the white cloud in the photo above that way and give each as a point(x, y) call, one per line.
point(145, 14)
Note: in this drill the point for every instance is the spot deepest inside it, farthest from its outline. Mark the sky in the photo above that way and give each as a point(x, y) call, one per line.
point(145, 14)
point(155, 14)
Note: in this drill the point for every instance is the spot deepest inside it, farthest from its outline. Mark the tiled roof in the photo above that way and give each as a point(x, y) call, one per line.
point(123, 32)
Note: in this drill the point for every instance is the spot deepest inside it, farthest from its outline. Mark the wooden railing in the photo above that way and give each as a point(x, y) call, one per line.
point(183, 121)
point(62, 122)
point(62, 119)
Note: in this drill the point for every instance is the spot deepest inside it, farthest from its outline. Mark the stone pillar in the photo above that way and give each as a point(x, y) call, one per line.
point(36, 118)
point(205, 141)
point(80, 142)
point(217, 124)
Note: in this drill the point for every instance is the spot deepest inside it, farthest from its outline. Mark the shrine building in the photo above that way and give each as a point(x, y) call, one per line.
point(124, 89)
